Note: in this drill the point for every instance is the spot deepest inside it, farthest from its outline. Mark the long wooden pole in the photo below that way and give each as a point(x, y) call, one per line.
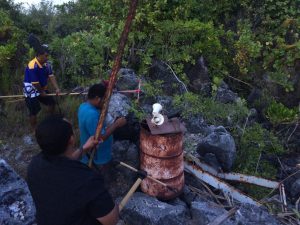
point(70, 93)
point(114, 72)
point(53, 94)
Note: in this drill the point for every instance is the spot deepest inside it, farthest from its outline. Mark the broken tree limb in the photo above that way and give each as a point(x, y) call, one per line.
point(233, 176)
point(217, 183)
point(114, 72)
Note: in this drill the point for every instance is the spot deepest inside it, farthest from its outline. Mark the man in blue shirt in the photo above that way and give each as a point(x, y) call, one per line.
point(37, 73)
point(88, 116)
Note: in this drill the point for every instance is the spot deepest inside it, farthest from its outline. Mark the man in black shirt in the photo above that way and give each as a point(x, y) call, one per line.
point(66, 191)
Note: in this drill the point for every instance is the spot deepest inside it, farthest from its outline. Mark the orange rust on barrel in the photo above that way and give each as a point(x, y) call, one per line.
point(162, 158)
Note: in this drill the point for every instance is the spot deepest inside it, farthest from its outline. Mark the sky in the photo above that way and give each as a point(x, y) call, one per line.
point(35, 2)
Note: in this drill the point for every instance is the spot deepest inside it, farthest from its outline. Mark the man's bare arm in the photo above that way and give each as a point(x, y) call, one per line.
point(111, 218)
point(109, 130)
point(54, 83)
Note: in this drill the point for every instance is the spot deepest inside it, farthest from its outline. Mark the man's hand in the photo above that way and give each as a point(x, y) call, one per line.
point(57, 91)
point(89, 144)
point(120, 121)
point(43, 93)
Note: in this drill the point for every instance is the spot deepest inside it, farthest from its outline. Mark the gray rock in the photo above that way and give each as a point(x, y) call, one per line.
point(170, 84)
point(127, 152)
point(119, 149)
point(16, 204)
point(119, 105)
point(132, 155)
point(191, 141)
point(205, 212)
point(143, 209)
point(212, 160)
point(290, 175)
point(196, 124)
point(249, 214)
point(221, 144)
point(28, 140)
point(147, 108)
point(294, 189)
point(189, 196)
point(166, 102)
point(127, 80)
point(225, 95)
point(198, 75)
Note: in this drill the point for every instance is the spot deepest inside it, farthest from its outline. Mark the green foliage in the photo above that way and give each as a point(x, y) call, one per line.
point(247, 48)
point(255, 142)
point(138, 111)
point(153, 89)
point(10, 41)
point(278, 113)
point(38, 20)
point(213, 112)
point(80, 56)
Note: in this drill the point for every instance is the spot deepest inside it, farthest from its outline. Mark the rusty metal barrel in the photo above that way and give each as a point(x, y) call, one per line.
point(161, 157)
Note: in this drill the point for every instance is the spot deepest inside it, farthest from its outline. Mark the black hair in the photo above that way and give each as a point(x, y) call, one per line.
point(42, 50)
point(97, 90)
point(53, 135)
point(39, 48)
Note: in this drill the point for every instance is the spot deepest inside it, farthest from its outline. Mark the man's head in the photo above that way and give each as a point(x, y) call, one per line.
point(96, 94)
point(54, 135)
point(42, 53)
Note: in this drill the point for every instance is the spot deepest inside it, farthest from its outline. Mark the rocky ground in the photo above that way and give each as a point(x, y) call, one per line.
point(18, 151)
point(191, 207)
point(198, 204)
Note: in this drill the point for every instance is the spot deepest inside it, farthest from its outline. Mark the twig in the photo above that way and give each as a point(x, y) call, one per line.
point(297, 204)
point(281, 130)
point(220, 219)
point(208, 189)
point(284, 221)
point(257, 164)
point(199, 192)
point(287, 141)
point(228, 199)
point(282, 167)
point(244, 127)
point(240, 81)
point(186, 90)
point(283, 198)
point(281, 183)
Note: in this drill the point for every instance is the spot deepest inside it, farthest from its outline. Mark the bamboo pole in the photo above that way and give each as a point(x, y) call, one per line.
point(52, 94)
point(67, 93)
point(114, 72)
